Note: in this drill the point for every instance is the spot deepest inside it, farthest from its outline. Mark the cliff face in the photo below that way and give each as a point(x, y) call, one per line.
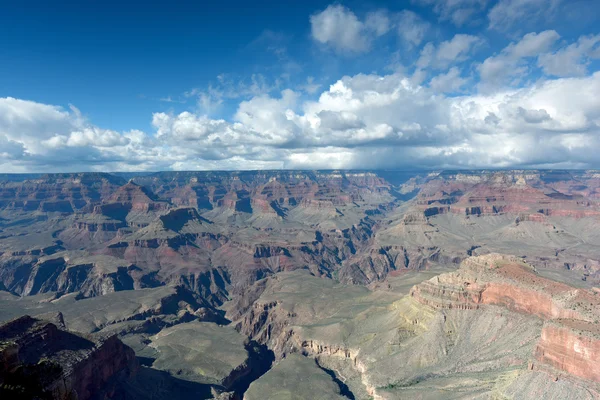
point(570, 339)
point(488, 193)
point(44, 360)
point(95, 241)
point(90, 276)
point(352, 225)
point(509, 282)
point(495, 316)
point(63, 193)
point(572, 347)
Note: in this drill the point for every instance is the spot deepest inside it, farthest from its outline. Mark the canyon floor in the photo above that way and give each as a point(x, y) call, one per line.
point(301, 285)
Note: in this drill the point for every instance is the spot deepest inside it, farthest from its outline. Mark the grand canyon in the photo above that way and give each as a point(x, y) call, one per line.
point(300, 284)
point(300, 200)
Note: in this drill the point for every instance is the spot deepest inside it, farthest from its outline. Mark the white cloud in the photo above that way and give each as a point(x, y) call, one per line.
point(427, 56)
point(572, 60)
point(448, 82)
point(496, 70)
point(323, 158)
point(360, 121)
point(310, 87)
point(89, 136)
point(38, 135)
point(23, 120)
point(448, 52)
point(506, 14)
point(457, 48)
point(459, 12)
point(339, 28)
point(229, 87)
point(412, 28)
point(375, 121)
point(532, 44)
point(378, 22)
point(267, 118)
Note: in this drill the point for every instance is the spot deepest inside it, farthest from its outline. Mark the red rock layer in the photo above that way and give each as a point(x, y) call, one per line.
point(502, 193)
point(570, 340)
point(566, 350)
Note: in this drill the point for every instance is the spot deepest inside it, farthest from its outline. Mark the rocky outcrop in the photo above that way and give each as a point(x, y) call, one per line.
point(216, 355)
point(287, 380)
point(572, 347)
point(41, 360)
point(495, 193)
point(62, 193)
point(214, 234)
point(509, 282)
point(90, 276)
point(570, 339)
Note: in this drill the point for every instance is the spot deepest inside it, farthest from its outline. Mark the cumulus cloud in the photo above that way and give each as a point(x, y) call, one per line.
point(532, 103)
point(412, 28)
point(448, 52)
point(227, 87)
point(377, 22)
point(44, 136)
point(511, 62)
point(338, 27)
point(387, 121)
point(360, 121)
point(450, 81)
point(572, 60)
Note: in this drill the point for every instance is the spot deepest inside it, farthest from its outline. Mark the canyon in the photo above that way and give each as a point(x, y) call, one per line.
point(314, 284)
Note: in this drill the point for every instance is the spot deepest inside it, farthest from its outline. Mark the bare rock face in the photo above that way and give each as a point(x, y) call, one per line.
point(133, 204)
point(479, 329)
point(233, 228)
point(321, 263)
point(64, 193)
point(572, 347)
point(72, 272)
point(491, 193)
point(509, 282)
point(570, 338)
point(41, 360)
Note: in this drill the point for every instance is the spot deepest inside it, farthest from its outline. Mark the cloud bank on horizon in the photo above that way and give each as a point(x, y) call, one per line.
point(465, 84)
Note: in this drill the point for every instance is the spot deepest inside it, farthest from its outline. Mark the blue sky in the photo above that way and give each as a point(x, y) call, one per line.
point(107, 85)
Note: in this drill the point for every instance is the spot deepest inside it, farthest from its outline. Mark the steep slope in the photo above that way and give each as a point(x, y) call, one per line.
point(295, 377)
point(57, 192)
point(474, 333)
point(38, 359)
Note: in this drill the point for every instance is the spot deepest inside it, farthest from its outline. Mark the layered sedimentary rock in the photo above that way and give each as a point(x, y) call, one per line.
point(509, 282)
point(355, 226)
point(142, 255)
point(570, 339)
point(58, 192)
point(486, 328)
point(492, 193)
point(571, 346)
point(38, 359)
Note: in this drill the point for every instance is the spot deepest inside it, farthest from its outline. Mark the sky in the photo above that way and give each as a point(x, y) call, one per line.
point(197, 85)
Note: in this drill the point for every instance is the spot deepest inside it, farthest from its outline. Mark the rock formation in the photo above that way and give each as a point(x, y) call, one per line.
point(392, 284)
point(40, 360)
